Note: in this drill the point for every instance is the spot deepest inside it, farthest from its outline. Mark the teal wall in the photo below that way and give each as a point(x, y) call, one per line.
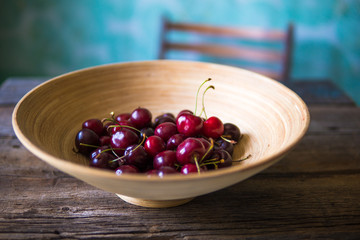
point(50, 37)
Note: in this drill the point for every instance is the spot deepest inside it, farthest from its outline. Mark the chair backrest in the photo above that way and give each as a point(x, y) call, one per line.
point(263, 54)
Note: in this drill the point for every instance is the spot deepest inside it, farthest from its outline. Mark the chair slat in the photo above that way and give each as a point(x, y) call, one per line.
point(247, 53)
point(244, 33)
point(282, 57)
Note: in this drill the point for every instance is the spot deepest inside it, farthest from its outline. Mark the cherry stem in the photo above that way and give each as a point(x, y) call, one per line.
point(210, 148)
point(117, 124)
point(111, 119)
point(197, 165)
point(124, 126)
point(243, 159)
point(213, 162)
point(122, 157)
point(203, 100)
point(178, 166)
point(197, 94)
point(106, 150)
point(228, 140)
point(88, 145)
point(112, 149)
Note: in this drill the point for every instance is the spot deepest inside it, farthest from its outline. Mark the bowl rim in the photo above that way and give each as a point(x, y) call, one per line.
point(44, 156)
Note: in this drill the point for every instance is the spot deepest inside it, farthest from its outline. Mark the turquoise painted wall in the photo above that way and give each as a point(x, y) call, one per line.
point(56, 36)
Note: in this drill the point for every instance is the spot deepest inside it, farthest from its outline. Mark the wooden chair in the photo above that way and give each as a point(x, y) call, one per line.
point(258, 55)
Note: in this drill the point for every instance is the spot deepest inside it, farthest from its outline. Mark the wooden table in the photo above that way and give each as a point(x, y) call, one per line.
point(313, 193)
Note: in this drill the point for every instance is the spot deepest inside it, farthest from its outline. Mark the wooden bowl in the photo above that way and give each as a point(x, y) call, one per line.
point(271, 117)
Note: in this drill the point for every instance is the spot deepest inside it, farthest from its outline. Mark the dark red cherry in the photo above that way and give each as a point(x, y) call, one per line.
point(147, 131)
point(213, 128)
point(207, 146)
point(189, 150)
point(123, 138)
point(166, 117)
point(231, 132)
point(88, 137)
point(189, 125)
point(123, 117)
point(161, 172)
point(174, 141)
point(223, 156)
point(126, 169)
point(166, 171)
point(95, 125)
point(105, 140)
point(99, 150)
point(106, 129)
point(165, 158)
point(141, 117)
point(151, 172)
point(170, 115)
point(166, 130)
point(104, 160)
point(153, 145)
point(227, 146)
point(137, 156)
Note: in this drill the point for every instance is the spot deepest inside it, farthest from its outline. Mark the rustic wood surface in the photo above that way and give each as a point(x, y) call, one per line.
point(313, 193)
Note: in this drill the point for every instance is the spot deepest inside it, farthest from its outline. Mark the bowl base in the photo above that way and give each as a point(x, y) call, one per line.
point(154, 203)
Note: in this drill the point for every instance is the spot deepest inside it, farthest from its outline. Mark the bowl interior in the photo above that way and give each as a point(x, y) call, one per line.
point(271, 117)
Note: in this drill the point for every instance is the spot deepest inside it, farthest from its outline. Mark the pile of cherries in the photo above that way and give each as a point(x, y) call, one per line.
point(133, 143)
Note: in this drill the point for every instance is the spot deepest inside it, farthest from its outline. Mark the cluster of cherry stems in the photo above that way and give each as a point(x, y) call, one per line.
point(133, 143)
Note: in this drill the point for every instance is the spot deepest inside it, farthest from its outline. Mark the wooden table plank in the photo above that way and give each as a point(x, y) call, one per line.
point(295, 207)
point(13, 89)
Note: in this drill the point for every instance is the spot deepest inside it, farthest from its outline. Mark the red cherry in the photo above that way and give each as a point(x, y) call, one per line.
point(183, 112)
point(94, 124)
point(189, 125)
point(189, 168)
point(137, 156)
point(166, 130)
point(122, 117)
point(165, 158)
point(122, 139)
point(126, 169)
point(189, 151)
point(141, 117)
point(154, 144)
point(161, 172)
point(103, 160)
point(213, 128)
point(174, 141)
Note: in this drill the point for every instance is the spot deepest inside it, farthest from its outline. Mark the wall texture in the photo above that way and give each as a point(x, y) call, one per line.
point(56, 36)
